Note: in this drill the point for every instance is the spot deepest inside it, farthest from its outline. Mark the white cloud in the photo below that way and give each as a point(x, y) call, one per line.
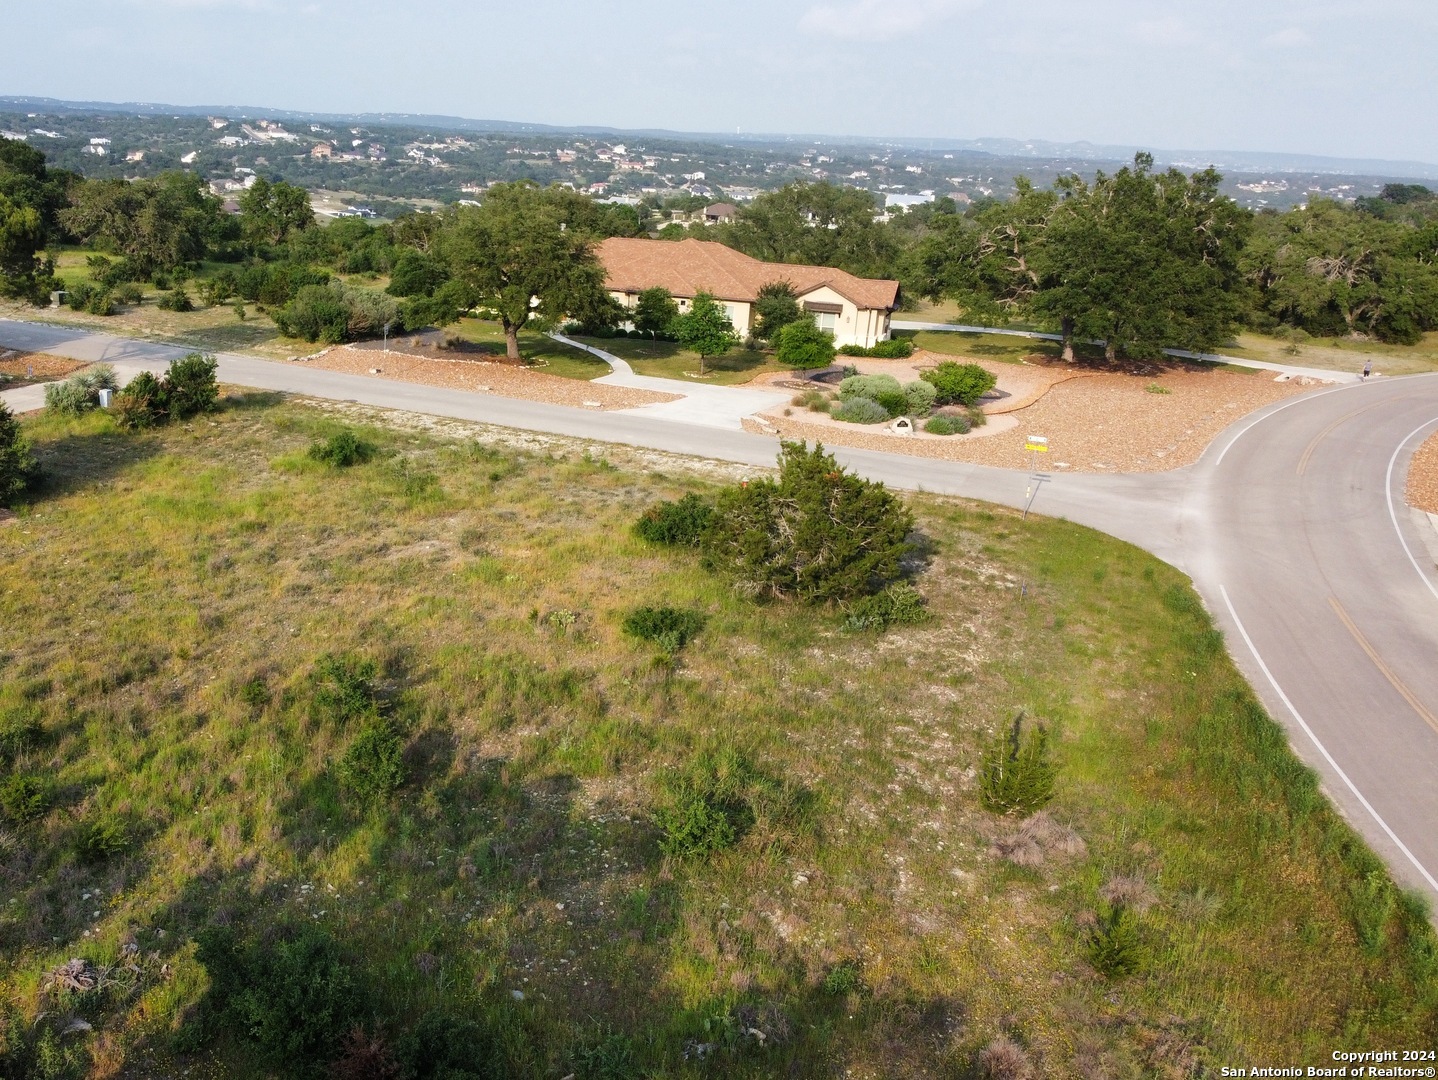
point(1162, 32)
point(1292, 37)
point(210, 5)
point(878, 20)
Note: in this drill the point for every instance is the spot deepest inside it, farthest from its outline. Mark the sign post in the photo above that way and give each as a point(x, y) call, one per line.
point(1035, 445)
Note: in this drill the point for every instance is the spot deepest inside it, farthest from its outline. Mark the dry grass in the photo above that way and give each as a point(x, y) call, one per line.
point(160, 579)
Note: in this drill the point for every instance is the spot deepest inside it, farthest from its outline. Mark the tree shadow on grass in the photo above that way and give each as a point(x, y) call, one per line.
point(251, 400)
point(77, 461)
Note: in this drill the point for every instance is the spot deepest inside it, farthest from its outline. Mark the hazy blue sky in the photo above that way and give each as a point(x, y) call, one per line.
point(1355, 78)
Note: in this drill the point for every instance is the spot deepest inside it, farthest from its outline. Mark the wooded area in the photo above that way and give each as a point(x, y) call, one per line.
point(1141, 260)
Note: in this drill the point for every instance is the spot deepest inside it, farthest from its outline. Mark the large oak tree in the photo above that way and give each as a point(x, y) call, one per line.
point(518, 261)
point(1142, 260)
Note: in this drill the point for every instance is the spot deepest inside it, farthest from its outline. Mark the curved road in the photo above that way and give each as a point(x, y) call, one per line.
point(1292, 526)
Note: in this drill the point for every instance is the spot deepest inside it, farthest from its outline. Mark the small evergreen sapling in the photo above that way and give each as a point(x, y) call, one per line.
point(1016, 776)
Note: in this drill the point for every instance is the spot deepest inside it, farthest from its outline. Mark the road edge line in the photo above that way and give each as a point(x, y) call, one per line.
point(1321, 748)
point(1393, 513)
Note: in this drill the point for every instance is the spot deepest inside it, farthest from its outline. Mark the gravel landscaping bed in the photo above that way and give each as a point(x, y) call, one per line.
point(1099, 422)
point(1423, 476)
point(22, 369)
point(484, 377)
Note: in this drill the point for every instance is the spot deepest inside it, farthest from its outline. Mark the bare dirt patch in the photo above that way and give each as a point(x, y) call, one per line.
point(465, 372)
point(1423, 476)
point(22, 369)
point(1147, 419)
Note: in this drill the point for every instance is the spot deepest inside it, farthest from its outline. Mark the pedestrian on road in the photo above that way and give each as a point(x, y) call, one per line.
point(1367, 370)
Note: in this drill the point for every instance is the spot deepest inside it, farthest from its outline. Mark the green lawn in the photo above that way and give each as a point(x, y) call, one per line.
point(169, 606)
point(668, 360)
point(536, 348)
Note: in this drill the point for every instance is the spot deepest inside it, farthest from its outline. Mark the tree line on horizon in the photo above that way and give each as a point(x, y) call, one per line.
point(1140, 260)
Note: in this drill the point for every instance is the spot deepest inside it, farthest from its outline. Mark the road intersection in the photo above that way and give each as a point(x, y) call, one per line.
point(1292, 526)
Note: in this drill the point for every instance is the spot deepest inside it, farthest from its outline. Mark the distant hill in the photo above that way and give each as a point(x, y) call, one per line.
point(1036, 149)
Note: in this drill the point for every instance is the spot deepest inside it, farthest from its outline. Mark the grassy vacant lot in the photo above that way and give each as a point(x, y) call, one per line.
point(1340, 354)
point(166, 610)
point(668, 360)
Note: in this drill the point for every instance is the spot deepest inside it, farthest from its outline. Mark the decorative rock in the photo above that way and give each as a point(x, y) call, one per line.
point(902, 426)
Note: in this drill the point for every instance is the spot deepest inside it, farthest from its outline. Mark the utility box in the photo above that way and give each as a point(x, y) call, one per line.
point(105, 398)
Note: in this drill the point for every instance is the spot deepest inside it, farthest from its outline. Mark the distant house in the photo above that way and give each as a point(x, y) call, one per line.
point(720, 212)
point(135, 155)
point(322, 151)
point(855, 310)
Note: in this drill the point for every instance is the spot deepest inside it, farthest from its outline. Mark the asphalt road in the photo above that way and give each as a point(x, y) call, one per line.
point(1292, 526)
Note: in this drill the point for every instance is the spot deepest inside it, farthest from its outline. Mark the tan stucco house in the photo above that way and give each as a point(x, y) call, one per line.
point(855, 310)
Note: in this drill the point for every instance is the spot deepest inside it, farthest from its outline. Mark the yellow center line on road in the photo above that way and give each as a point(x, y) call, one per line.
point(1408, 695)
point(1308, 452)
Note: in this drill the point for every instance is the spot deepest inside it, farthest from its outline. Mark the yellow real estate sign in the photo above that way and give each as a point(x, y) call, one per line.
point(1038, 444)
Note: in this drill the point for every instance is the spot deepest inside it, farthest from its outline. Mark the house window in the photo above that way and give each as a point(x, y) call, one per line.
point(825, 314)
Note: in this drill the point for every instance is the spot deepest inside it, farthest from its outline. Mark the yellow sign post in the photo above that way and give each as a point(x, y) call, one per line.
point(1035, 445)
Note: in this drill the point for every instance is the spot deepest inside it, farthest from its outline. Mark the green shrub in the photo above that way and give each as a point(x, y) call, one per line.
point(78, 296)
point(893, 349)
point(959, 384)
point(1015, 775)
point(161, 280)
point(708, 805)
point(292, 999)
point(175, 300)
point(444, 1047)
point(669, 628)
point(947, 425)
point(843, 978)
point(255, 693)
point(860, 410)
point(895, 402)
point(143, 403)
point(100, 302)
point(1371, 903)
point(336, 312)
point(80, 392)
point(372, 769)
point(343, 449)
point(191, 387)
point(26, 796)
point(217, 290)
point(608, 1056)
point(898, 605)
point(921, 397)
point(818, 533)
point(344, 688)
point(97, 840)
point(869, 386)
point(20, 729)
point(801, 344)
point(681, 523)
point(1114, 946)
point(17, 462)
point(129, 294)
point(69, 398)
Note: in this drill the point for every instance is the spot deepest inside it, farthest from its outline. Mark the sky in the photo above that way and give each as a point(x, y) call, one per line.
point(1352, 79)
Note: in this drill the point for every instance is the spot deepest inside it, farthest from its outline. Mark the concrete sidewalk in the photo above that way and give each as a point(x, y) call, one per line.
point(706, 406)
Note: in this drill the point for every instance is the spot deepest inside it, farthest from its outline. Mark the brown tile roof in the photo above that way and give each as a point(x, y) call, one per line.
point(687, 267)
